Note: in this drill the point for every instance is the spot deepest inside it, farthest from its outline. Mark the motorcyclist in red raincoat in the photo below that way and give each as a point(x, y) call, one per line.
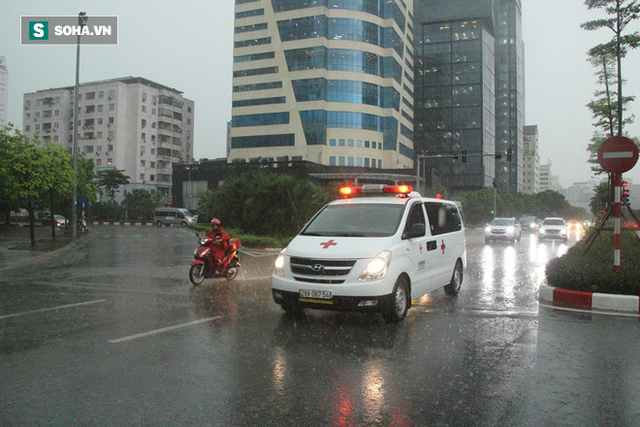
point(220, 243)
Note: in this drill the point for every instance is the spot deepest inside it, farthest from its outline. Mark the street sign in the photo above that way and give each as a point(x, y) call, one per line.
point(618, 154)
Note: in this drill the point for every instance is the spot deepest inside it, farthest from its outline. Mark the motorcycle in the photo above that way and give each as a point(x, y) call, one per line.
point(204, 265)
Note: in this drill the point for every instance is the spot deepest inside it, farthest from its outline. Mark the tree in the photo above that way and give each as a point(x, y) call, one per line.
point(622, 13)
point(140, 204)
point(8, 200)
point(604, 108)
point(247, 202)
point(111, 180)
point(22, 171)
point(57, 179)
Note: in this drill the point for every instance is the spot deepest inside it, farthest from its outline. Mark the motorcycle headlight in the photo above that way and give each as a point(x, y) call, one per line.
point(377, 267)
point(279, 264)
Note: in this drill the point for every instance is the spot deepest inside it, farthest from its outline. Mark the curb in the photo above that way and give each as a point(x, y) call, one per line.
point(590, 300)
point(143, 223)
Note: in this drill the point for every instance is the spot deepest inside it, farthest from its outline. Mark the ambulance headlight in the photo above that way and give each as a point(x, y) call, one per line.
point(377, 267)
point(279, 264)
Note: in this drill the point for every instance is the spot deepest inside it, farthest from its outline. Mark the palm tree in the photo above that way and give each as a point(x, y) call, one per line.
point(111, 180)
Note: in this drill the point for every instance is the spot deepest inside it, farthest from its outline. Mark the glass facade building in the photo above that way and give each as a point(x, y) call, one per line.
point(469, 92)
point(328, 81)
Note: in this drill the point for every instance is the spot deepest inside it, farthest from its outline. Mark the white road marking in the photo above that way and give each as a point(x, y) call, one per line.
point(167, 329)
point(52, 309)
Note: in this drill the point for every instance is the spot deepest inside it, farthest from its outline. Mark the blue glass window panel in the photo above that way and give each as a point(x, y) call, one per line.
point(249, 13)
point(261, 101)
point(267, 119)
point(283, 140)
point(332, 142)
point(332, 161)
point(406, 151)
point(254, 57)
point(350, 161)
point(249, 28)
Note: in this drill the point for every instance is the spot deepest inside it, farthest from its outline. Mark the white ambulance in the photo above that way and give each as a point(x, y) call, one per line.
point(373, 254)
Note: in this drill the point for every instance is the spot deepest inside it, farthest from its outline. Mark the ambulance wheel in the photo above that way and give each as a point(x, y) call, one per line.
point(159, 224)
point(456, 281)
point(196, 274)
point(398, 302)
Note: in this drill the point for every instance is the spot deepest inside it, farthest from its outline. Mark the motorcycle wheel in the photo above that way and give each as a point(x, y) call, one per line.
point(196, 274)
point(232, 273)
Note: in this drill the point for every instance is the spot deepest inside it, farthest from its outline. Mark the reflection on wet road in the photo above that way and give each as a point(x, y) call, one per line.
point(136, 344)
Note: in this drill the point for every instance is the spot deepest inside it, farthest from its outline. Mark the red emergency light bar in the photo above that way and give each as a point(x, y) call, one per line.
point(376, 188)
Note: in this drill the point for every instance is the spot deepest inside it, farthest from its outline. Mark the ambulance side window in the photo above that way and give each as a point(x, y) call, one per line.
point(443, 218)
point(416, 216)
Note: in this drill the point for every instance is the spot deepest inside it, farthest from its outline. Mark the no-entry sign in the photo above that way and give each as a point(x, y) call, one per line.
point(618, 154)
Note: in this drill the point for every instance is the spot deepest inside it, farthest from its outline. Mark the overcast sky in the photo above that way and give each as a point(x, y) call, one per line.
point(188, 45)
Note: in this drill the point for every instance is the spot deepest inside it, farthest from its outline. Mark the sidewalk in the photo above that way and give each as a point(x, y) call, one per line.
point(15, 244)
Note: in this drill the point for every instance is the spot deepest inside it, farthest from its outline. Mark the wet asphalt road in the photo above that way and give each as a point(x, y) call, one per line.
point(114, 334)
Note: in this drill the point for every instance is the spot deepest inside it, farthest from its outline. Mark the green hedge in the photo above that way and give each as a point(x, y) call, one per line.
point(248, 240)
point(593, 271)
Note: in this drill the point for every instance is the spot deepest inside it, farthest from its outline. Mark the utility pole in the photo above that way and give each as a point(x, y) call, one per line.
point(82, 21)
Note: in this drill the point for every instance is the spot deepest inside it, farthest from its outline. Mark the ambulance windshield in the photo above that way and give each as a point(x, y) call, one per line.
point(357, 220)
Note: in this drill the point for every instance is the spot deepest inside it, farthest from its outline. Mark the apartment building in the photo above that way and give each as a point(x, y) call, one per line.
point(130, 124)
point(325, 81)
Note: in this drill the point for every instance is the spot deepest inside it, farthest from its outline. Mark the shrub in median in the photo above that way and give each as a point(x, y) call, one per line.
point(593, 271)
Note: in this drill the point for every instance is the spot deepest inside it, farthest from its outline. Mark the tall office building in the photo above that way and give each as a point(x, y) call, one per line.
point(327, 81)
point(530, 161)
point(4, 91)
point(469, 92)
point(130, 124)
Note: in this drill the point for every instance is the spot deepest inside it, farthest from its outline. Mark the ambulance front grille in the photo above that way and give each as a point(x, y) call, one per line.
point(323, 271)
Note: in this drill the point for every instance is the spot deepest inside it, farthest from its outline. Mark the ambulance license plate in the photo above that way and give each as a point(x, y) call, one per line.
point(315, 294)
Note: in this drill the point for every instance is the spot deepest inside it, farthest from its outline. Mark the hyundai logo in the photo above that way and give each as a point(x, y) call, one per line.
point(317, 268)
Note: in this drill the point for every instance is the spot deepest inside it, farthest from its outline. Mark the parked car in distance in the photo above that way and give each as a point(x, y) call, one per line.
point(58, 219)
point(529, 223)
point(553, 228)
point(503, 229)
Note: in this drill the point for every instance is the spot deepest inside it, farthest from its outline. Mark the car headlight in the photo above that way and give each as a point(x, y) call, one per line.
point(511, 229)
point(563, 231)
point(377, 267)
point(541, 230)
point(279, 264)
point(488, 229)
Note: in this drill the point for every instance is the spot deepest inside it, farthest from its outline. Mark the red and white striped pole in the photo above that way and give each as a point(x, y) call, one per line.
point(616, 237)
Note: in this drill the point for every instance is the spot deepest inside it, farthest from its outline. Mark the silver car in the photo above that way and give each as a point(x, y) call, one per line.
point(553, 228)
point(503, 229)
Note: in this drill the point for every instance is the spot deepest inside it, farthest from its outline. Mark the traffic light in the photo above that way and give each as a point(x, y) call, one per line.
point(625, 192)
point(464, 156)
point(509, 154)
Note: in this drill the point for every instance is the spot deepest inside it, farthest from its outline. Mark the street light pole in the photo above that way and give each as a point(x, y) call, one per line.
point(82, 21)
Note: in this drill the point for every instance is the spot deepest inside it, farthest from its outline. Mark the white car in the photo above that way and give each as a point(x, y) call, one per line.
point(372, 254)
point(503, 229)
point(553, 228)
